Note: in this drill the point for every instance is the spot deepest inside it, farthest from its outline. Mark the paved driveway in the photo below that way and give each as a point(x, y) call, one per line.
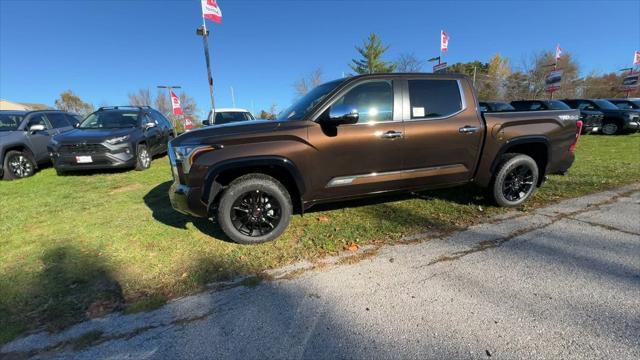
point(561, 282)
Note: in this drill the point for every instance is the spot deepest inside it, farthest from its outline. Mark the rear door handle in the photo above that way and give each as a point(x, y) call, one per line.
point(468, 130)
point(391, 135)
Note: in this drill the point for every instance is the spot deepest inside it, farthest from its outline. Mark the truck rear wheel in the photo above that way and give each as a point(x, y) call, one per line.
point(515, 180)
point(255, 208)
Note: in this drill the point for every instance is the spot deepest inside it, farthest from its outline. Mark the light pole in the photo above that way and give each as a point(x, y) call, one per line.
point(169, 88)
point(202, 31)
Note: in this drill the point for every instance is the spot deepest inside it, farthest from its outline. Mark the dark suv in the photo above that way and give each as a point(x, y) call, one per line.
point(361, 136)
point(113, 137)
point(591, 118)
point(615, 121)
point(24, 136)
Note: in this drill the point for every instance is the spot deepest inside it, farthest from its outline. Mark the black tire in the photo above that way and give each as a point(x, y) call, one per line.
point(254, 208)
point(515, 181)
point(143, 158)
point(611, 128)
point(18, 165)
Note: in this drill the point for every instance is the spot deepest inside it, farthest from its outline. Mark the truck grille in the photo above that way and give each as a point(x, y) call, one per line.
point(82, 149)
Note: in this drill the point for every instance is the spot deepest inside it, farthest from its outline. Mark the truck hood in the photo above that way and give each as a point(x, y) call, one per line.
point(91, 135)
point(216, 133)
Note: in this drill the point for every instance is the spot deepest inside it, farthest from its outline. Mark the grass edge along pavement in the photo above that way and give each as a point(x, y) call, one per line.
point(82, 246)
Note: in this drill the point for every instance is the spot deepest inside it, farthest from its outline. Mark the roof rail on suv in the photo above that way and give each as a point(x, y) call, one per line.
point(123, 106)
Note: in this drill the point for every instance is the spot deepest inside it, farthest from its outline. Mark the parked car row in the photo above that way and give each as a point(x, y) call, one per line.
point(608, 116)
point(111, 137)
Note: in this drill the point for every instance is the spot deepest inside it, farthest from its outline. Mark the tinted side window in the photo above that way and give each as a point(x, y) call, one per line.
point(38, 119)
point(74, 119)
point(434, 98)
point(162, 121)
point(373, 100)
point(58, 120)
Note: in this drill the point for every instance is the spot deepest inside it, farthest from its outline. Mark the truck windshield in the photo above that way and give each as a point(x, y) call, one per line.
point(606, 105)
point(300, 109)
point(10, 122)
point(557, 105)
point(110, 120)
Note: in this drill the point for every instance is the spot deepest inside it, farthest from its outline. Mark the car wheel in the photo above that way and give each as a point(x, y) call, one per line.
point(18, 165)
point(515, 180)
point(143, 158)
point(610, 128)
point(254, 208)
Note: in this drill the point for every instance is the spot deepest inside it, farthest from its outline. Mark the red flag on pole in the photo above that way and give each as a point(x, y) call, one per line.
point(636, 58)
point(558, 52)
point(444, 41)
point(175, 103)
point(211, 11)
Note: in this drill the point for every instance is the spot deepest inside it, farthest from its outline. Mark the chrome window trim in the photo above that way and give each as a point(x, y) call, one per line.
point(463, 102)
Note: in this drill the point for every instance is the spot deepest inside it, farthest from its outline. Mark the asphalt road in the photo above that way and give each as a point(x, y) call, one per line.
point(561, 282)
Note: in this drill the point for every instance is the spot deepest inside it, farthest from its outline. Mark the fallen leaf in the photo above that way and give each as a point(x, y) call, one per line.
point(323, 218)
point(352, 247)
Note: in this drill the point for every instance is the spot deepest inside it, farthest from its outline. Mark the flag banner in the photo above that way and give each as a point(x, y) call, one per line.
point(558, 52)
point(175, 103)
point(211, 11)
point(552, 81)
point(636, 58)
point(444, 41)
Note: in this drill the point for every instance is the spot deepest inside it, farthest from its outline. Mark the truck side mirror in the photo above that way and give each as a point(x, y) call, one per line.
point(342, 114)
point(205, 122)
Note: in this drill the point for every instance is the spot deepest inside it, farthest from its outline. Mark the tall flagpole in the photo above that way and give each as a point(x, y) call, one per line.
point(205, 41)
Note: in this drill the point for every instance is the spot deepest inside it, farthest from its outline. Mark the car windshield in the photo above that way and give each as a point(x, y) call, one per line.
point(557, 105)
point(625, 105)
point(225, 117)
point(10, 122)
point(115, 119)
point(606, 105)
point(300, 109)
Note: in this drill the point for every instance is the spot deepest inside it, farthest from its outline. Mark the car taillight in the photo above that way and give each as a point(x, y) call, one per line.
point(579, 124)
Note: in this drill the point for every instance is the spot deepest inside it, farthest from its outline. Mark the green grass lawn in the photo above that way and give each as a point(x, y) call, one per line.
point(84, 245)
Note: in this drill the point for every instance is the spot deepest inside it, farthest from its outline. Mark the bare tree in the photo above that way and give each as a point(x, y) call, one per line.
point(140, 98)
point(408, 63)
point(69, 101)
point(540, 64)
point(306, 84)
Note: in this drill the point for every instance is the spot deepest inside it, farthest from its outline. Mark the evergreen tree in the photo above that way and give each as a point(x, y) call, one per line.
point(371, 61)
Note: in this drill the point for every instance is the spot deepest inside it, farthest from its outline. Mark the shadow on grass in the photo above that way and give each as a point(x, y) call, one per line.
point(158, 201)
point(462, 195)
point(70, 286)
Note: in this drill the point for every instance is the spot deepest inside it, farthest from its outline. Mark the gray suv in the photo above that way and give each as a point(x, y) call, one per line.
point(24, 136)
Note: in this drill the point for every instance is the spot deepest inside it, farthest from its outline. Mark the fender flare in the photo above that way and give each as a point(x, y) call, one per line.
point(210, 189)
point(521, 140)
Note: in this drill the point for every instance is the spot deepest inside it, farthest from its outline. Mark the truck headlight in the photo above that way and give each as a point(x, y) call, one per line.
point(186, 155)
point(117, 140)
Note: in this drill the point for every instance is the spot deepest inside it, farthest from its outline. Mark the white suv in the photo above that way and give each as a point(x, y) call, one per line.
point(228, 115)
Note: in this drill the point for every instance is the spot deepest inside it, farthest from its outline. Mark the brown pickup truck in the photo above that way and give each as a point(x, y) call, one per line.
point(361, 136)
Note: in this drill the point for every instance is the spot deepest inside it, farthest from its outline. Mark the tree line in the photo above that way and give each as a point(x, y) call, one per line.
point(495, 79)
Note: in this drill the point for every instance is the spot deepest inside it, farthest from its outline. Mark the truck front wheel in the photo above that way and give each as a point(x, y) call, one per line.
point(254, 208)
point(515, 180)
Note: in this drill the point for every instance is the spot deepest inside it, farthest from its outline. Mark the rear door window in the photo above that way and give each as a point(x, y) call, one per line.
point(434, 98)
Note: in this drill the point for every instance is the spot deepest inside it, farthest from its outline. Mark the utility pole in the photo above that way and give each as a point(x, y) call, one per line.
point(202, 31)
point(170, 88)
point(233, 98)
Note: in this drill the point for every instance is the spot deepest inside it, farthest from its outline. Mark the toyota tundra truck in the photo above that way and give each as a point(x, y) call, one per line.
point(362, 136)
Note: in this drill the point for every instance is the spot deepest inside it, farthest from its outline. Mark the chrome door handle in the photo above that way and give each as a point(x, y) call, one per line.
point(391, 135)
point(468, 130)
